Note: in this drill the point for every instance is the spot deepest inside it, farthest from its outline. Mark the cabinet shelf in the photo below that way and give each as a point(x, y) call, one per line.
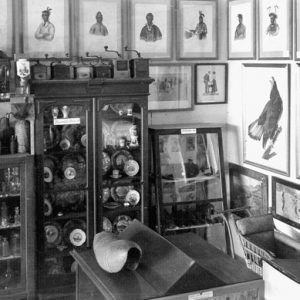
point(11, 257)
point(120, 210)
point(65, 152)
point(114, 116)
point(66, 216)
point(193, 179)
point(177, 228)
point(54, 252)
point(196, 202)
point(65, 189)
point(11, 226)
point(9, 196)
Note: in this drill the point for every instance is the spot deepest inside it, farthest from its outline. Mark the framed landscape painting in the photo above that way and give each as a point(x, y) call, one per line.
point(52, 38)
point(248, 188)
point(6, 27)
point(211, 83)
point(286, 201)
point(197, 31)
point(266, 116)
point(275, 29)
point(100, 24)
point(151, 28)
point(172, 88)
point(241, 29)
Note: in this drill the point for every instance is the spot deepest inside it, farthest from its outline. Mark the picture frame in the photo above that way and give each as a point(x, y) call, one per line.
point(241, 29)
point(248, 188)
point(155, 40)
point(172, 88)
point(266, 116)
point(100, 24)
point(55, 38)
point(6, 27)
point(286, 201)
point(297, 120)
point(275, 29)
point(211, 83)
point(197, 31)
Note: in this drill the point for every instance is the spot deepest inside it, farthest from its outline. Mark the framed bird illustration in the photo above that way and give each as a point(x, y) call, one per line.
point(266, 116)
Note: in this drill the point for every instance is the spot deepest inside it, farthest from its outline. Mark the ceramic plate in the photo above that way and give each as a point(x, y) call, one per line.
point(119, 158)
point(107, 226)
point(51, 136)
point(106, 163)
point(131, 167)
point(133, 197)
point(121, 223)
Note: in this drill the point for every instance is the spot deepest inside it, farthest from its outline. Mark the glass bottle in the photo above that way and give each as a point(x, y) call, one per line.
point(4, 215)
point(15, 244)
point(17, 217)
point(5, 247)
point(5, 133)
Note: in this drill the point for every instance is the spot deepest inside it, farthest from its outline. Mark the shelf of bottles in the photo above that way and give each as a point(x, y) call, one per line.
point(65, 186)
point(10, 229)
point(121, 179)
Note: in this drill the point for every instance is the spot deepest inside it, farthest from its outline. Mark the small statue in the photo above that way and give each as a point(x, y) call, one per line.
point(133, 137)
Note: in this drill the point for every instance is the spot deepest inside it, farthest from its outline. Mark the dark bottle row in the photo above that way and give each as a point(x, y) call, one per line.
point(14, 139)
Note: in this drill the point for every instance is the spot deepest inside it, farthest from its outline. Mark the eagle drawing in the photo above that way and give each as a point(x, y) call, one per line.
point(266, 126)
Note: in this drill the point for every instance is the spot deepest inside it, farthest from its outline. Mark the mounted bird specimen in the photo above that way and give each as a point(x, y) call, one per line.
point(266, 126)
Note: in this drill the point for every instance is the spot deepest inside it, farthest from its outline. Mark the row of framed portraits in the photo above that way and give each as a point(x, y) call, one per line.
point(56, 27)
point(249, 188)
point(266, 25)
point(180, 86)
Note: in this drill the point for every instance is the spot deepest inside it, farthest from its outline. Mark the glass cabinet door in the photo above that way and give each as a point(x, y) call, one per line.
point(12, 254)
point(190, 178)
point(121, 161)
point(66, 186)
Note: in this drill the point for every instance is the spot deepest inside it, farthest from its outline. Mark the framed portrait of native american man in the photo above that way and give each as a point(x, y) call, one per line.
point(150, 27)
point(100, 24)
point(197, 30)
point(275, 29)
point(46, 27)
point(266, 116)
point(241, 29)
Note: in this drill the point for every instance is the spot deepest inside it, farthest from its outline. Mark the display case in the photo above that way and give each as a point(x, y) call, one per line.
point(17, 264)
point(122, 177)
point(90, 140)
point(188, 176)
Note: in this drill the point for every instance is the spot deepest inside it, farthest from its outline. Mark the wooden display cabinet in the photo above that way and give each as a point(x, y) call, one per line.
point(90, 141)
point(17, 241)
point(188, 177)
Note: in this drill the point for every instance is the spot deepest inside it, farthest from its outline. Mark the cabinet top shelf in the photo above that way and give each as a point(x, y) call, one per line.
point(194, 179)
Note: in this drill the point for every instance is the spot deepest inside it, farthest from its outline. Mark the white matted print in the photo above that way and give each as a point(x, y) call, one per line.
point(241, 24)
point(46, 27)
point(275, 29)
point(211, 83)
point(297, 30)
point(151, 28)
point(172, 88)
point(266, 116)
point(197, 29)
point(6, 39)
point(100, 24)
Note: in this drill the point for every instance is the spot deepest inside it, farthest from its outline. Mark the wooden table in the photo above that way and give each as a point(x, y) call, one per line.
point(209, 274)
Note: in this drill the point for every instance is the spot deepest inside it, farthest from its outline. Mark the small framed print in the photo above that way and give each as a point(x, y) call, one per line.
point(275, 29)
point(286, 201)
point(241, 29)
point(248, 188)
point(6, 27)
point(46, 28)
point(151, 28)
point(100, 24)
point(172, 88)
point(266, 116)
point(197, 29)
point(211, 83)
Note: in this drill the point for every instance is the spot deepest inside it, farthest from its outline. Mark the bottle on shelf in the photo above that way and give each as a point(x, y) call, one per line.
point(15, 244)
point(5, 247)
point(74, 232)
point(6, 131)
point(17, 217)
point(4, 214)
